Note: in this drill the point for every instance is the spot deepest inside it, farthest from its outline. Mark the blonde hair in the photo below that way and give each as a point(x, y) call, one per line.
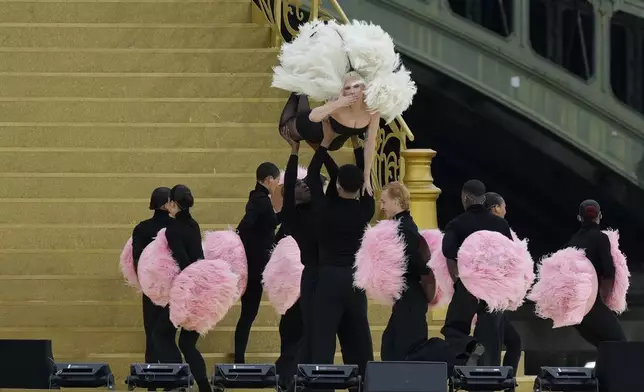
point(399, 192)
point(354, 76)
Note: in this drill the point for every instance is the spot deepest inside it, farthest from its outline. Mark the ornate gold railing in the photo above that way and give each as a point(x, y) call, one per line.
point(285, 16)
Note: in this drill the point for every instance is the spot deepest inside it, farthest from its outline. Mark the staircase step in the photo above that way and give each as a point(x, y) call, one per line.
point(137, 60)
point(128, 135)
point(111, 185)
point(72, 314)
point(138, 85)
point(109, 211)
point(83, 341)
point(147, 110)
point(219, 11)
point(149, 160)
point(93, 262)
point(242, 35)
point(78, 237)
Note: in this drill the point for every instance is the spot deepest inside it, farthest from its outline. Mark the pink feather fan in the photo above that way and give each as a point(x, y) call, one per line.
point(282, 275)
point(157, 270)
point(438, 264)
point(495, 269)
point(301, 173)
point(381, 262)
point(126, 263)
point(566, 287)
point(202, 294)
point(616, 300)
point(226, 246)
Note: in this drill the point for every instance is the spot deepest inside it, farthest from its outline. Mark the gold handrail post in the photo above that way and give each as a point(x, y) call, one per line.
point(418, 179)
point(277, 18)
point(315, 9)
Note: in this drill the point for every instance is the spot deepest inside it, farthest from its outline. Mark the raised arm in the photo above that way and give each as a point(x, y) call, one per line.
point(313, 175)
point(290, 178)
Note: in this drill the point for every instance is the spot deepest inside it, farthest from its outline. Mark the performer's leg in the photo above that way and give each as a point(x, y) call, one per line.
point(164, 337)
point(329, 304)
point(249, 308)
point(512, 342)
point(489, 332)
point(291, 331)
point(354, 330)
point(296, 105)
point(407, 327)
point(188, 346)
point(150, 315)
point(601, 325)
point(460, 313)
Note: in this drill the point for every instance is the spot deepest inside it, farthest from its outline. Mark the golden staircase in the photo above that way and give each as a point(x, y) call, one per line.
point(100, 102)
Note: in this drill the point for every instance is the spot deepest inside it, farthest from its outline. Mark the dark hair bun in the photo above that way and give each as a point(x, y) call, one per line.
point(182, 195)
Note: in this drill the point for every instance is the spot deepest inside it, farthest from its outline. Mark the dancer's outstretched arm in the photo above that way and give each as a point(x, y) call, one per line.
point(290, 178)
point(370, 151)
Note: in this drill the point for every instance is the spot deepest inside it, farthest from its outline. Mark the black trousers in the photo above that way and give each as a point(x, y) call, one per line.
point(291, 332)
point(340, 309)
point(151, 314)
point(512, 343)
point(164, 342)
point(489, 326)
point(600, 325)
point(407, 326)
point(249, 307)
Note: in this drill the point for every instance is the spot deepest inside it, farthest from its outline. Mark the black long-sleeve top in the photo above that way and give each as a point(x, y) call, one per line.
point(299, 221)
point(597, 247)
point(475, 218)
point(340, 222)
point(416, 249)
point(145, 232)
point(184, 239)
point(257, 230)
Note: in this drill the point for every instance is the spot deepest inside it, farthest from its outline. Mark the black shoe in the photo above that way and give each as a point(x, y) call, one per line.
point(476, 355)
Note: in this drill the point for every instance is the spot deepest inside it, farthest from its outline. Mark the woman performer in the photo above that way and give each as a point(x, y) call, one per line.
point(511, 338)
point(407, 326)
point(184, 240)
point(352, 67)
point(585, 283)
point(391, 266)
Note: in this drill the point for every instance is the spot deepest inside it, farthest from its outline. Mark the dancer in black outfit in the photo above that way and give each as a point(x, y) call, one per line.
point(407, 326)
point(143, 234)
point(464, 305)
point(298, 220)
point(257, 232)
point(511, 338)
point(600, 324)
point(184, 240)
point(341, 216)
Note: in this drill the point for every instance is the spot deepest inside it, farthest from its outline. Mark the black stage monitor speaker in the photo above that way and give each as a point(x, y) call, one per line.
point(483, 378)
point(327, 376)
point(82, 375)
point(562, 379)
point(25, 364)
point(620, 366)
point(405, 377)
point(238, 376)
point(159, 375)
